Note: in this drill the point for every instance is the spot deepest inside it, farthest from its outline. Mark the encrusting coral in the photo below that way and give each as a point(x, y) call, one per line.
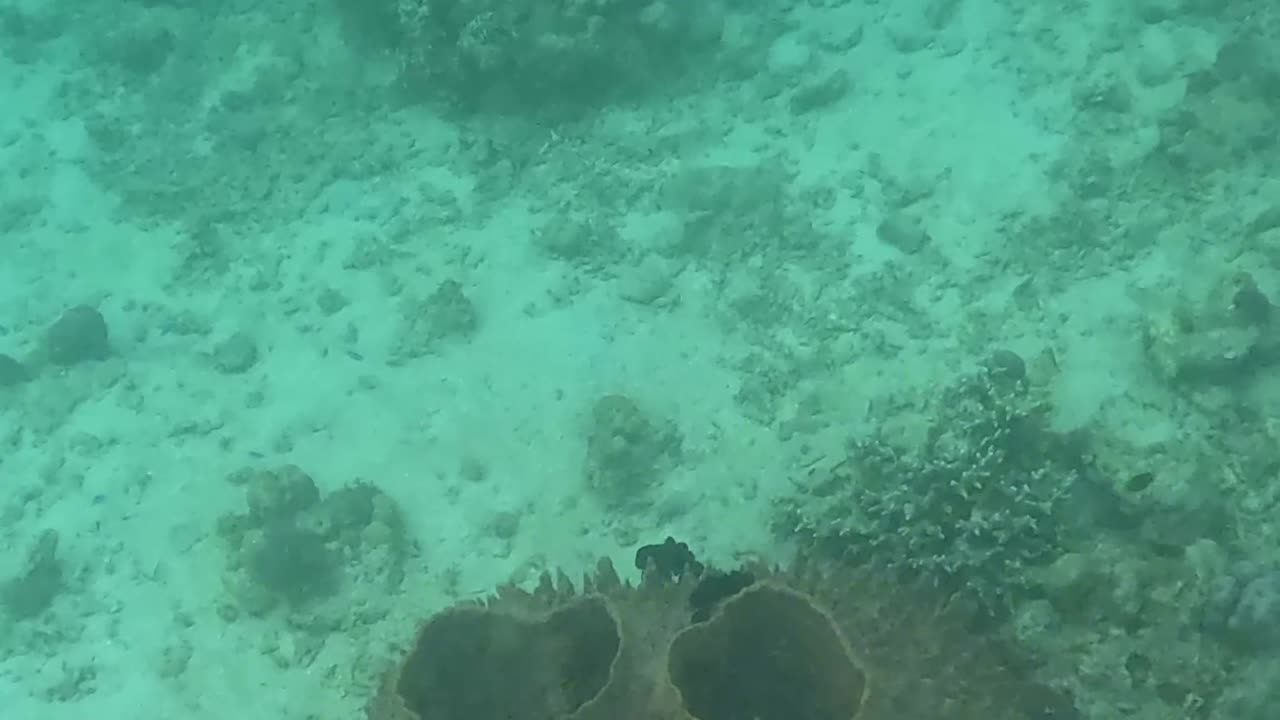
point(795, 644)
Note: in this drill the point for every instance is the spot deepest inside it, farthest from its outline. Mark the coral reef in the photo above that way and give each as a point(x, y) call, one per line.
point(970, 508)
point(484, 53)
point(796, 643)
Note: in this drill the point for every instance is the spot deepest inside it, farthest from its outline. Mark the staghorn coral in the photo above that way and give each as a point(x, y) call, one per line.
point(970, 509)
point(796, 644)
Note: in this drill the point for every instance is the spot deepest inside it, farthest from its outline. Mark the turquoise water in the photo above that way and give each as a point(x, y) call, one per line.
point(317, 318)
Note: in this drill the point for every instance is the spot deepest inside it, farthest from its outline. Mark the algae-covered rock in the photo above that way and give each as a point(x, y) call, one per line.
point(628, 452)
point(293, 563)
point(427, 323)
point(296, 547)
point(78, 336)
point(41, 579)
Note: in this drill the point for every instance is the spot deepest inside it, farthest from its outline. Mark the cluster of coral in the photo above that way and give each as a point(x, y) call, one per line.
point(295, 547)
point(690, 643)
point(971, 503)
point(486, 53)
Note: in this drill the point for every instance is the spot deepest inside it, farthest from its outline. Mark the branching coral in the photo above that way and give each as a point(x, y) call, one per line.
point(970, 510)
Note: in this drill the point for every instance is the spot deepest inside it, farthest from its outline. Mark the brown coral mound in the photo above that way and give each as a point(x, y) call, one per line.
point(784, 654)
point(794, 645)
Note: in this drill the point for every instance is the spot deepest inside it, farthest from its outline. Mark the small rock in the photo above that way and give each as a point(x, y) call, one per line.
point(908, 37)
point(34, 589)
point(1005, 367)
point(427, 323)
point(649, 282)
point(840, 37)
point(331, 301)
point(174, 659)
point(904, 233)
point(505, 525)
point(235, 355)
point(821, 93)
point(788, 56)
point(79, 336)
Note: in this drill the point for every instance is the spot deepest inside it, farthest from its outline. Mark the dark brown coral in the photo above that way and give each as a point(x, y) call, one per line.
point(793, 645)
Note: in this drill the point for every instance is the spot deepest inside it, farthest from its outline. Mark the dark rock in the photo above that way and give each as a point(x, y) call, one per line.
point(1139, 482)
point(904, 233)
point(350, 509)
point(331, 301)
point(1006, 366)
point(671, 559)
point(79, 336)
point(821, 93)
point(41, 580)
point(1249, 303)
point(279, 494)
point(295, 564)
point(235, 355)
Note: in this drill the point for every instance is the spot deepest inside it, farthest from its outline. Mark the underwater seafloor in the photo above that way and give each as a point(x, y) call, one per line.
point(318, 317)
